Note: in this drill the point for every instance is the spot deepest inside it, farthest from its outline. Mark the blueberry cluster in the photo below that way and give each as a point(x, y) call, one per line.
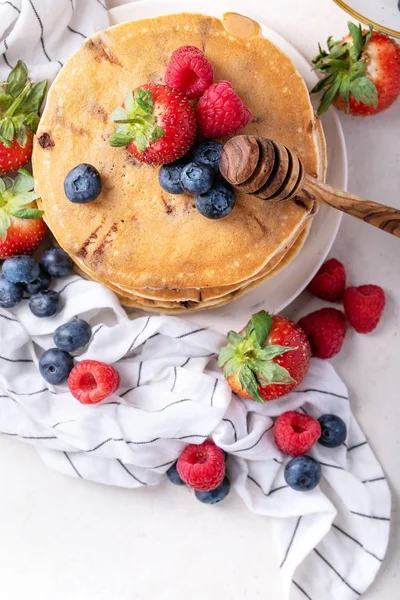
point(212, 497)
point(303, 473)
point(198, 174)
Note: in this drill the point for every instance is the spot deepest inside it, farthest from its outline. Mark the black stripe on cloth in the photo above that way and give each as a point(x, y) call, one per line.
point(186, 362)
point(8, 65)
point(72, 5)
point(357, 446)
point(334, 570)
point(72, 464)
point(355, 541)
point(280, 462)
point(62, 423)
point(183, 437)
point(101, 4)
point(301, 590)
point(178, 337)
point(16, 360)
point(29, 393)
point(127, 391)
point(152, 336)
point(30, 437)
point(172, 404)
point(281, 487)
point(9, 397)
point(320, 392)
point(68, 284)
point(303, 410)
point(137, 336)
point(129, 473)
point(170, 462)
point(255, 443)
point(213, 392)
point(353, 512)
point(291, 542)
point(331, 466)
point(233, 427)
point(11, 4)
point(41, 31)
point(5, 44)
point(175, 375)
point(96, 331)
point(139, 373)
point(77, 32)
point(9, 318)
point(373, 480)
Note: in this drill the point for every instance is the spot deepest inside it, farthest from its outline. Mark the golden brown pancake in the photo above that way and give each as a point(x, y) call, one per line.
point(135, 235)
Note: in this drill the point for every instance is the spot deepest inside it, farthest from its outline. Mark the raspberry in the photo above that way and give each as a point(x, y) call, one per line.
point(330, 281)
point(92, 381)
point(202, 467)
point(364, 306)
point(221, 112)
point(296, 433)
point(325, 329)
point(189, 72)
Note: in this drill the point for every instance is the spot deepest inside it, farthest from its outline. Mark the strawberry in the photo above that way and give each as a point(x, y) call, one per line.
point(21, 226)
point(362, 72)
point(20, 102)
point(267, 359)
point(157, 123)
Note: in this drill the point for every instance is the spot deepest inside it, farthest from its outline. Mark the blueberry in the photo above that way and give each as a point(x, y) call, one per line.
point(196, 178)
point(55, 365)
point(10, 293)
point(72, 335)
point(169, 177)
point(333, 431)
point(82, 184)
point(174, 476)
point(302, 473)
point(208, 153)
point(217, 202)
point(45, 304)
point(220, 493)
point(56, 262)
point(21, 269)
point(39, 284)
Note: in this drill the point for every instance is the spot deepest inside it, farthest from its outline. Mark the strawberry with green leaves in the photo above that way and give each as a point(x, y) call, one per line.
point(20, 102)
point(361, 72)
point(21, 226)
point(156, 123)
point(267, 359)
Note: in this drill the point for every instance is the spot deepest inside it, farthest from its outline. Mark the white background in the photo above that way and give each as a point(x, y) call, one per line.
point(63, 539)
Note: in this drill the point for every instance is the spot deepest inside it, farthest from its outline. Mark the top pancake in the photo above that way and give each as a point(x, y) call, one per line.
point(135, 234)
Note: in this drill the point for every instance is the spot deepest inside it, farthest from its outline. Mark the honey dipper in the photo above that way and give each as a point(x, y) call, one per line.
point(268, 170)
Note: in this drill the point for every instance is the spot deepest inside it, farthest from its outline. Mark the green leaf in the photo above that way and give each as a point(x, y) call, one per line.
point(128, 102)
point(119, 114)
point(20, 199)
point(339, 49)
point(144, 98)
point(32, 121)
point(368, 35)
point(141, 142)
point(26, 213)
point(358, 41)
point(5, 223)
point(157, 133)
point(357, 70)
point(17, 79)
point(232, 365)
point(259, 327)
point(328, 97)
point(322, 83)
point(234, 338)
point(20, 133)
point(249, 383)
point(119, 139)
point(344, 90)
point(5, 100)
point(7, 131)
point(34, 98)
point(272, 372)
point(24, 182)
point(270, 352)
point(364, 90)
point(226, 353)
point(3, 186)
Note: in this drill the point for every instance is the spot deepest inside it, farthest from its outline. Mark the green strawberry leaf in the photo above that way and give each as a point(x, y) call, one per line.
point(119, 114)
point(24, 182)
point(364, 90)
point(158, 132)
point(270, 352)
point(144, 99)
point(141, 142)
point(358, 41)
point(17, 79)
point(234, 338)
point(233, 365)
point(128, 102)
point(20, 133)
point(344, 90)
point(34, 98)
point(32, 121)
point(26, 213)
point(226, 353)
point(322, 83)
point(249, 383)
point(259, 327)
point(328, 97)
point(7, 131)
point(119, 139)
point(5, 223)
point(5, 100)
point(272, 372)
point(3, 186)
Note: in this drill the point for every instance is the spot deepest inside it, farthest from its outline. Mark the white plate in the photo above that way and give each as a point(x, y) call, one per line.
point(275, 294)
point(382, 14)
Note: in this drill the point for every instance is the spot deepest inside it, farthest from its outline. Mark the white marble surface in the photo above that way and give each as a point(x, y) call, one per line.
point(62, 538)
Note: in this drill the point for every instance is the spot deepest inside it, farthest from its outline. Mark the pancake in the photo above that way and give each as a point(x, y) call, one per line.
point(135, 235)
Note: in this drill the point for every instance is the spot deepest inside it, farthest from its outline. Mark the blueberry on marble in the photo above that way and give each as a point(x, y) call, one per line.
point(21, 269)
point(72, 335)
point(56, 262)
point(174, 476)
point(45, 304)
point(42, 282)
point(333, 431)
point(82, 184)
point(217, 202)
point(10, 293)
point(55, 365)
point(196, 178)
point(302, 473)
point(220, 493)
point(208, 153)
point(169, 177)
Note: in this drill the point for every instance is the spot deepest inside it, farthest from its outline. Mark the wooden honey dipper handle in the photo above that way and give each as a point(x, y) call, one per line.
point(270, 171)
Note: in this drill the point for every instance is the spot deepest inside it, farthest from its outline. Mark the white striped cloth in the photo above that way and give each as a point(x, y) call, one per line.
point(331, 541)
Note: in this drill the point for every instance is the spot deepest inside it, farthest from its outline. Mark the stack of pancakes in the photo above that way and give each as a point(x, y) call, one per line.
point(154, 249)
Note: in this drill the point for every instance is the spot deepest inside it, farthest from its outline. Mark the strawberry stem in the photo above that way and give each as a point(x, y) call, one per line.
point(11, 110)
